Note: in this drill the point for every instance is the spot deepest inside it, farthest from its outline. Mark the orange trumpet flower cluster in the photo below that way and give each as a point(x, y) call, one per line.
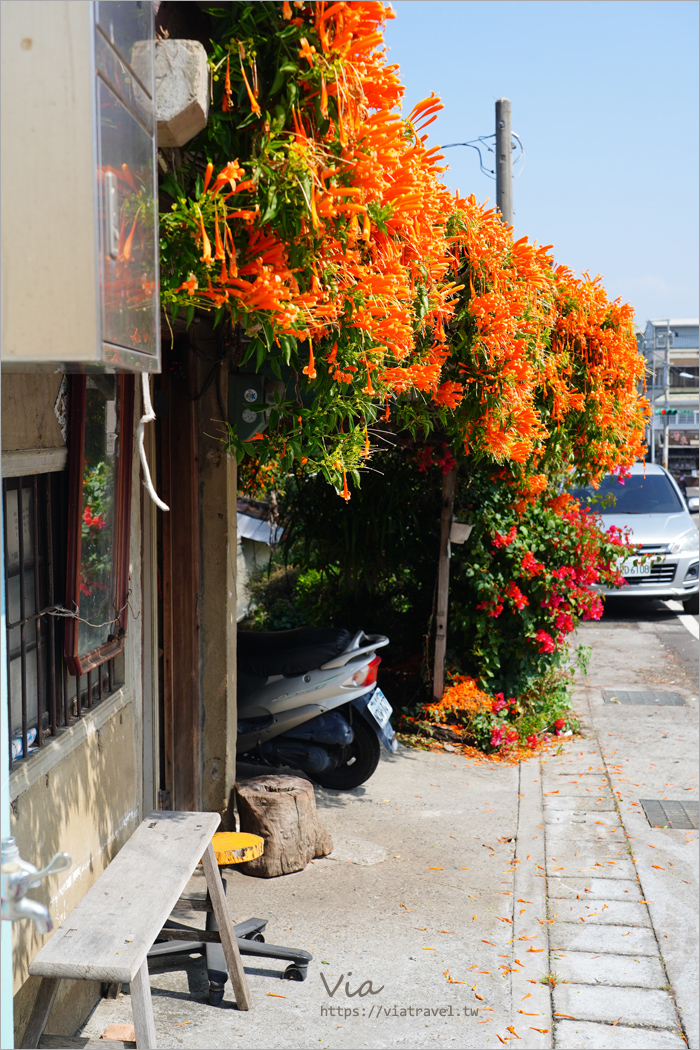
point(337, 240)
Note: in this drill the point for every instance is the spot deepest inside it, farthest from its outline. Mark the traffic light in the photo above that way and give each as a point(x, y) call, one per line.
point(665, 411)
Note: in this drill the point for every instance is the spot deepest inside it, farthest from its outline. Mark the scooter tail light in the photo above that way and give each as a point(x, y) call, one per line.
point(367, 675)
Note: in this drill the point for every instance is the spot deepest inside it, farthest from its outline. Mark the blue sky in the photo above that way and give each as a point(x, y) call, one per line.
point(604, 96)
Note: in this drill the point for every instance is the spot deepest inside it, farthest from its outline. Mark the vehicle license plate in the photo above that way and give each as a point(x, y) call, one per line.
point(631, 568)
point(380, 707)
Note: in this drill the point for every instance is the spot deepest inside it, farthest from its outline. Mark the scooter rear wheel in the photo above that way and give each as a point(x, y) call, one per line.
point(360, 760)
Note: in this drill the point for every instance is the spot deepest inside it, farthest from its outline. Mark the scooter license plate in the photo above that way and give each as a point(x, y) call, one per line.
point(380, 708)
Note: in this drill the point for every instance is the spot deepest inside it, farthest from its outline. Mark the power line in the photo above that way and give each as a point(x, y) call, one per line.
point(482, 142)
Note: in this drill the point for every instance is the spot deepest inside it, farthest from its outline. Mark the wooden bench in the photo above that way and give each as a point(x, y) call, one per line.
point(108, 935)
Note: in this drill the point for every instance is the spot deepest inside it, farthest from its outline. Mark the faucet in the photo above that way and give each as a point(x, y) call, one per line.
point(18, 876)
point(26, 908)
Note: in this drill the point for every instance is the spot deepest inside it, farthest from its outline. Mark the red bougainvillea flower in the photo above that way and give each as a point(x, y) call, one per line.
point(499, 702)
point(564, 622)
point(530, 566)
point(559, 725)
point(516, 596)
point(532, 740)
point(505, 541)
point(547, 643)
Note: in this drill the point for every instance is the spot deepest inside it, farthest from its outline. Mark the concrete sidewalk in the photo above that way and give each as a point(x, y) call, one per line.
point(529, 906)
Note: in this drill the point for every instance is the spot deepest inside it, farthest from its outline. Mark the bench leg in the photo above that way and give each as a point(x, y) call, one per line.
point(228, 937)
point(142, 1008)
point(40, 1012)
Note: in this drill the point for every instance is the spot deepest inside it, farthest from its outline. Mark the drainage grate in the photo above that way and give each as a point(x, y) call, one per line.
point(646, 696)
point(671, 814)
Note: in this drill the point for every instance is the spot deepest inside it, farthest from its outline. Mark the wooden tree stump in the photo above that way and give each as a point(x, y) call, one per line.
point(282, 810)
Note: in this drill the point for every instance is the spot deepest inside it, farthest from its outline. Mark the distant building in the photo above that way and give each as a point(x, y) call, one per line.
point(682, 359)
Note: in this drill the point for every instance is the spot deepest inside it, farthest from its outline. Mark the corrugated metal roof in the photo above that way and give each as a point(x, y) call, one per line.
point(258, 530)
point(675, 322)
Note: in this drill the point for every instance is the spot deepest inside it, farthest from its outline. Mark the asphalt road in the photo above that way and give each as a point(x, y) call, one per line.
point(663, 616)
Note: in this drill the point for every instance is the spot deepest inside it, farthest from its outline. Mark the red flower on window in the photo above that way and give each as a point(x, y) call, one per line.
point(93, 521)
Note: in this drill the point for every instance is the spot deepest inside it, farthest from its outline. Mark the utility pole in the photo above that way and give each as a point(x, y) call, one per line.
point(667, 385)
point(504, 161)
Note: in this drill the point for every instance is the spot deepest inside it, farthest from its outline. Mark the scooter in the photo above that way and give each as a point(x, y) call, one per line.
point(308, 698)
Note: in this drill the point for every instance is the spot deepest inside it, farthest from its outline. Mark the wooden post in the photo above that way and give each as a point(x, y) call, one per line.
point(449, 483)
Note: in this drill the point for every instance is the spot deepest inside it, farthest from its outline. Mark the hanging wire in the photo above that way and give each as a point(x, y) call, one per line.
point(147, 417)
point(484, 142)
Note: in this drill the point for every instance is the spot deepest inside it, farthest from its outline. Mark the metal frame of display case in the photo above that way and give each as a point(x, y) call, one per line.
point(79, 204)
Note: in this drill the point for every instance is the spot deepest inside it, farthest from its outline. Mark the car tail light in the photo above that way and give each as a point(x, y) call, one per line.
point(367, 675)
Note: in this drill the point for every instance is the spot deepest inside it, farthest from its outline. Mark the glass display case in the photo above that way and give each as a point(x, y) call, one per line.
point(79, 203)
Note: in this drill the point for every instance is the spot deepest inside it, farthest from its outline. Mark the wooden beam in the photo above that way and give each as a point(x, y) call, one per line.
point(449, 484)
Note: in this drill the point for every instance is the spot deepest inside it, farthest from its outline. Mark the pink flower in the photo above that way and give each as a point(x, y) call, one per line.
point(594, 610)
point(497, 735)
point(499, 703)
point(564, 622)
point(546, 641)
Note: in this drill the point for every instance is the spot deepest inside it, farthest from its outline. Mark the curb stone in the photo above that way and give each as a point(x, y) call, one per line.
point(528, 994)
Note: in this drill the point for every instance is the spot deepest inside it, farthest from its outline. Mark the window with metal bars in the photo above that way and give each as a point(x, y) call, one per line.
point(43, 698)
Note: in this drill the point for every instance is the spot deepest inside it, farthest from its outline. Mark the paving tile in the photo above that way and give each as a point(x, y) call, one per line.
point(584, 765)
point(614, 940)
point(636, 1006)
point(602, 858)
point(582, 1035)
point(562, 784)
point(642, 971)
point(595, 818)
point(594, 889)
point(586, 831)
point(600, 912)
point(591, 803)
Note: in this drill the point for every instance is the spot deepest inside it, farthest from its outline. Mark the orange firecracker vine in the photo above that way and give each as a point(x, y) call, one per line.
point(363, 284)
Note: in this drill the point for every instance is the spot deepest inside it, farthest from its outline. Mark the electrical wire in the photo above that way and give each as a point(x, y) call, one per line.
point(147, 417)
point(485, 140)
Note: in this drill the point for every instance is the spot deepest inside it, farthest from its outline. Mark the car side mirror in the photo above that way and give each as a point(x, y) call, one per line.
point(693, 504)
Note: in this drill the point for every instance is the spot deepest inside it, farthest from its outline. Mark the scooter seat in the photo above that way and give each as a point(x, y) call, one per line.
point(264, 653)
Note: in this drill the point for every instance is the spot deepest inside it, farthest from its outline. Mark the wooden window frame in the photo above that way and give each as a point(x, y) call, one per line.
point(81, 663)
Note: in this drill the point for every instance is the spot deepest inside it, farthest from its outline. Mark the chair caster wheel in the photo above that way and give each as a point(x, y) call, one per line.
point(255, 937)
point(216, 994)
point(295, 973)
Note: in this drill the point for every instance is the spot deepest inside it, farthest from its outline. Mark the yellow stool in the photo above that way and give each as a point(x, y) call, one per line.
point(236, 847)
point(230, 847)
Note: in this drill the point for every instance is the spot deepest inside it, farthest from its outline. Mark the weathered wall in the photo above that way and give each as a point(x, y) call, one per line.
point(28, 417)
point(82, 792)
point(86, 806)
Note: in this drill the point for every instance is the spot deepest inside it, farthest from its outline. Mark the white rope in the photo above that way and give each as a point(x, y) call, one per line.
point(147, 417)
